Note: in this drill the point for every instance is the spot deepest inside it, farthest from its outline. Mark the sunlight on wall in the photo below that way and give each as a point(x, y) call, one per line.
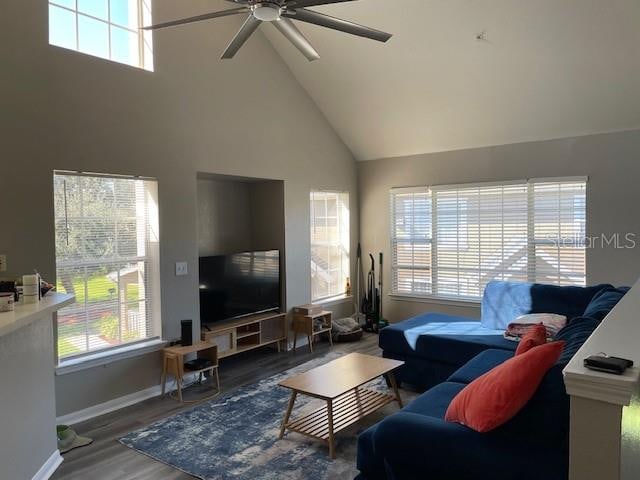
point(630, 455)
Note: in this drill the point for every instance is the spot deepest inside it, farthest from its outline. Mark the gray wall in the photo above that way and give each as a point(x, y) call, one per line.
point(267, 216)
point(224, 217)
point(26, 376)
point(238, 215)
point(268, 226)
point(247, 117)
point(610, 161)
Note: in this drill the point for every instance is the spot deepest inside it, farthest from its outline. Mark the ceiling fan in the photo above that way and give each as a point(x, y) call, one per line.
point(280, 13)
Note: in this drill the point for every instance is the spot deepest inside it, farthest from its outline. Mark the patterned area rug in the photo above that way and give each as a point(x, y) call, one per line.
point(236, 436)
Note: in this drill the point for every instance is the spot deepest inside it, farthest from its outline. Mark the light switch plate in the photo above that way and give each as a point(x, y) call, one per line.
point(181, 269)
point(3, 263)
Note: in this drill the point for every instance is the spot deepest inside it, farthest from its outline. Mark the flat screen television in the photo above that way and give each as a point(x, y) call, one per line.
point(239, 284)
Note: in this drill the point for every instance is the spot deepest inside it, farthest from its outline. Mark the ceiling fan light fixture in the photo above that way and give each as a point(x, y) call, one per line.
point(281, 14)
point(266, 11)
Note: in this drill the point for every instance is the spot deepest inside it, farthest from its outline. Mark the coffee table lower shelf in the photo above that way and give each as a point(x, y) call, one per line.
point(340, 384)
point(345, 411)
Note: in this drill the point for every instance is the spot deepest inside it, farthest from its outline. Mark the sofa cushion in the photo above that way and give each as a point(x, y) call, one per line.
point(545, 416)
point(544, 420)
point(479, 365)
point(443, 338)
point(574, 335)
point(604, 301)
point(368, 461)
point(422, 373)
point(420, 441)
point(497, 396)
point(417, 447)
point(435, 401)
point(502, 302)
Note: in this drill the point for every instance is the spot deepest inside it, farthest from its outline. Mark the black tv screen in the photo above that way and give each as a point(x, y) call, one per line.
point(239, 284)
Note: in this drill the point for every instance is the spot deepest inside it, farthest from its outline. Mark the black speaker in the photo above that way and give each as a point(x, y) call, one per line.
point(187, 332)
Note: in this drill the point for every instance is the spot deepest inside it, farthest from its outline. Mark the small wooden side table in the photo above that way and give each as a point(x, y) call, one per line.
point(304, 324)
point(173, 363)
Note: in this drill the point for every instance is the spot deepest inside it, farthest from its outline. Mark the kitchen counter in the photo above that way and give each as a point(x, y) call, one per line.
point(24, 315)
point(28, 394)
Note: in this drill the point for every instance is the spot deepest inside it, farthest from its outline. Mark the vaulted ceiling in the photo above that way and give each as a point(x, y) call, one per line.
point(544, 69)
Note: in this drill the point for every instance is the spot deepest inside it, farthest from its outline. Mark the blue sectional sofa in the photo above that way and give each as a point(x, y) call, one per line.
point(435, 345)
point(444, 353)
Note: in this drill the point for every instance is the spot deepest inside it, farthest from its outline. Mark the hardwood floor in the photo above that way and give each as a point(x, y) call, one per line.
point(107, 459)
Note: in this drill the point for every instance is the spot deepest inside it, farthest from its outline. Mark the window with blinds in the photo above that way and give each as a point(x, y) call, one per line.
point(329, 244)
point(411, 245)
point(559, 217)
point(450, 241)
point(107, 29)
point(107, 255)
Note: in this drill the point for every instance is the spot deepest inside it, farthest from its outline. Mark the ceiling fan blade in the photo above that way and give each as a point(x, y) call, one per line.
point(295, 36)
point(247, 29)
point(323, 20)
point(198, 18)
point(313, 3)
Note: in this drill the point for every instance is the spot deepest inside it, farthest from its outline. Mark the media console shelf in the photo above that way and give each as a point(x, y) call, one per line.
point(247, 333)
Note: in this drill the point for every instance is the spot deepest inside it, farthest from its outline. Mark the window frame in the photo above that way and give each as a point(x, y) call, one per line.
point(345, 246)
point(145, 38)
point(531, 241)
point(151, 298)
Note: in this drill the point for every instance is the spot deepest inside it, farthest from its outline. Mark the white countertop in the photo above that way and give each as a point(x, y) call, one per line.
point(23, 314)
point(618, 336)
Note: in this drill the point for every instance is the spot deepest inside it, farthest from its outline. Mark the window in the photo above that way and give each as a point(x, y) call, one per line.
point(411, 240)
point(107, 255)
point(329, 244)
point(104, 28)
point(450, 241)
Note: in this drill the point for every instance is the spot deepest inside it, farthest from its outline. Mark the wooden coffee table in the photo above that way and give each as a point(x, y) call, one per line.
point(339, 384)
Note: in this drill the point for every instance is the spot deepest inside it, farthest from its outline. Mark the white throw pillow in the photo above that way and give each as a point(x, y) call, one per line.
point(552, 321)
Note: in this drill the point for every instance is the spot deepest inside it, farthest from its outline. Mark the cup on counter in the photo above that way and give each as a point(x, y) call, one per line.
point(7, 300)
point(30, 288)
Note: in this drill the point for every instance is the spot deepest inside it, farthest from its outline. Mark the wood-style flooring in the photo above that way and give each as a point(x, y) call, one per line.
point(107, 459)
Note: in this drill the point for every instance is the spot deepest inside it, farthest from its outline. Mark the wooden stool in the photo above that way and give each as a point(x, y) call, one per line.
point(303, 324)
point(173, 364)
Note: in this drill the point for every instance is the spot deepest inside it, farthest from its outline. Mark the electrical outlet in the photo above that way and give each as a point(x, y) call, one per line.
point(181, 269)
point(3, 263)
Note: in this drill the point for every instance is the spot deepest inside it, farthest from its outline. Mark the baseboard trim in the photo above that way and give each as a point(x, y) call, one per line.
point(117, 403)
point(49, 467)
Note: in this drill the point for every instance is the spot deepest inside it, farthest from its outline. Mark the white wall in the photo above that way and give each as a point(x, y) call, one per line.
point(609, 160)
point(247, 117)
point(547, 69)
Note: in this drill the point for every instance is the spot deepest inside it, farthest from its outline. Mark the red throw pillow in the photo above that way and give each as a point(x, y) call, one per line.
point(497, 396)
point(536, 335)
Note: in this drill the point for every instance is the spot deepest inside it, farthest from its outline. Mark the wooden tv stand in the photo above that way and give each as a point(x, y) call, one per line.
point(247, 333)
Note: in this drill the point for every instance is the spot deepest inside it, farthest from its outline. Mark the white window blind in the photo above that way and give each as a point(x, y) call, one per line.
point(559, 223)
point(329, 244)
point(481, 235)
point(107, 255)
point(450, 241)
point(411, 248)
point(104, 28)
